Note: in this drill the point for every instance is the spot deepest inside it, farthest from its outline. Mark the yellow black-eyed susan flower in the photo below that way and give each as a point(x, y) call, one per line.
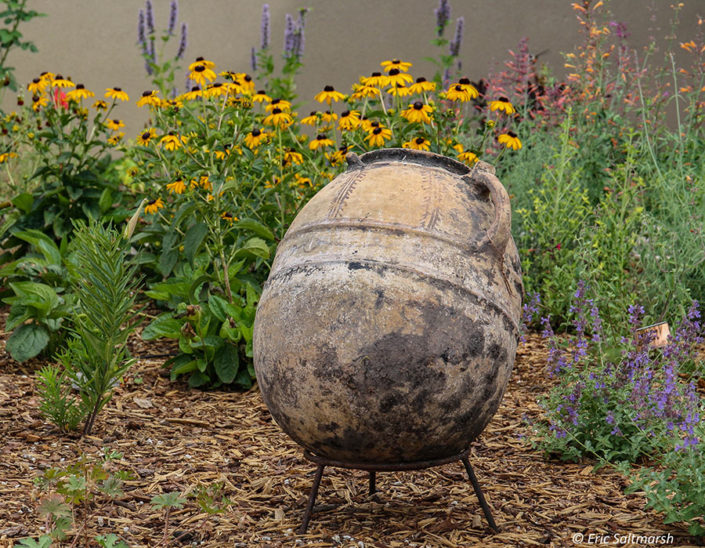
point(302, 182)
point(418, 112)
point(37, 86)
point(116, 94)
point(100, 105)
point(149, 98)
point(261, 97)
point(503, 105)
point(59, 81)
point(195, 93)
point(293, 157)
point(39, 101)
point(321, 141)
point(115, 139)
point(229, 217)
point(79, 93)
point(329, 116)
point(278, 118)
point(466, 156)
point(397, 77)
point(509, 140)
point(255, 138)
point(216, 89)
point(203, 181)
point(375, 80)
point(201, 74)
point(153, 206)
point(311, 119)
point(368, 125)
point(396, 64)
point(177, 187)
point(399, 90)
point(456, 92)
point(5, 156)
point(329, 94)
point(201, 61)
point(418, 143)
point(349, 120)
point(378, 136)
point(361, 91)
point(281, 104)
point(221, 154)
point(170, 141)
point(146, 136)
point(114, 124)
point(338, 157)
point(421, 85)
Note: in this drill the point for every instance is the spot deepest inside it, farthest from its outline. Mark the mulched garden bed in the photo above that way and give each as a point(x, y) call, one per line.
point(173, 439)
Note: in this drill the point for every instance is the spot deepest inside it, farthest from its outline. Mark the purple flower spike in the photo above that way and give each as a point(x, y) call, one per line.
point(173, 16)
point(149, 12)
point(140, 31)
point(182, 42)
point(288, 35)
point(264, 31)
point(442, 16)
point(455, 44)
point(253, 59)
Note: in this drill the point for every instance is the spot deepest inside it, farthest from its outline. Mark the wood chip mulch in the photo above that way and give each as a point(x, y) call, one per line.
point(175, 439)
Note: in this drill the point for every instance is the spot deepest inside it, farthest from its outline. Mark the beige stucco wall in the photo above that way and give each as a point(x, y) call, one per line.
point(94, 41)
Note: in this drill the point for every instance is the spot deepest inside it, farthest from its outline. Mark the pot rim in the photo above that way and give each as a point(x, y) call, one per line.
point(420, 157)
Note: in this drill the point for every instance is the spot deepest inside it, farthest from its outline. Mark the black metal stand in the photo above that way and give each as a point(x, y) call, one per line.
point(374, 468)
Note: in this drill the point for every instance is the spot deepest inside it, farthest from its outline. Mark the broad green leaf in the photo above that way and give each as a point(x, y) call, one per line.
point(193, 239)
point(254, 247)
point(256, 227)
point(27, 341)
point(106, 200)
point(162, 326)
point(218, 307)
point(198, 379)
point(226, 363)
point(23, 202)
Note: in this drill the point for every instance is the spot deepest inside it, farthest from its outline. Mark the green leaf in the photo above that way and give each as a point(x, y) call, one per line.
point(27, 341)
point(167, 261)
point(106, 200)
point(254, 247)
point(218, 307)
point(163, 326)
point(183, 364)
point(168, 500)
point(198, 379)
point(256, 227)
point(193, 240)
point(43, 542)
point(23, 202)
point(227, 363)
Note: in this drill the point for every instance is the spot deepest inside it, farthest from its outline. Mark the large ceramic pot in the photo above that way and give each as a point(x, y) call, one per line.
point(387, 330)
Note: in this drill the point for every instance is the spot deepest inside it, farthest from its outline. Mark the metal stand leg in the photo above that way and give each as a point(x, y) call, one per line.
point(311, 499)
point(480, 496)
point(373, 489)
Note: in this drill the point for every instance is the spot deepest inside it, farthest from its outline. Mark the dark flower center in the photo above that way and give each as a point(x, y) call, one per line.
point(377, 130)
point(146, 135)
point(171, 133)
point(36, 81)
point(199, 68)
point(117, 89)
point(320, 137)
point(152, 202)
point(512, 134)
point(256, 132)
point(276, 101)
point(248, 78)
point(464, 81)
point(80, 86)
point(216, 85)
point(420, 79)
point(345, 114)
point(35, 98)
point(116, 122)
point(374, 124)
point(195, 88)
point(261, 92)
point(419, 140)
point(277, 111)
point(418, 105)
point(313, 113)
point(146, 93)
point(375, 74)
point(458, 87)
point(59, 77)
point(200, 59)
point(343, 149)
point(503, 99)
point(329, 88)
point(328, 112)
point(394, 72)
point(396, 61)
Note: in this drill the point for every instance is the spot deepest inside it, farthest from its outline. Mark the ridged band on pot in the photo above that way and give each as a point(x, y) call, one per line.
point(388, 326)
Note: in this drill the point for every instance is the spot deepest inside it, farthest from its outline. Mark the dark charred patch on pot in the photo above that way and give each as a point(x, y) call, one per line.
point(380, 298)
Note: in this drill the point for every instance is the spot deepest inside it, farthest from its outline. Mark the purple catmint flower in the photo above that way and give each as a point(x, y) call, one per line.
point(182, 42)
point(253, 60)
point(264, 30)
point(141, 37)
point(288, 35)
point(149, 16)
point(301, 33)
point(619, 30)
point(173, 16)
point(454, 48)
point(442, 16)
